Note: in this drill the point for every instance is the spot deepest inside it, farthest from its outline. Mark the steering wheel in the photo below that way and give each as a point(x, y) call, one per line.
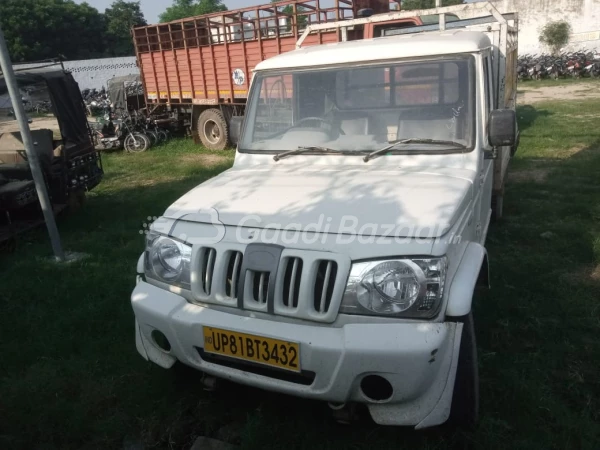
point(308, 119)
point(318, 119)
point(300, 122)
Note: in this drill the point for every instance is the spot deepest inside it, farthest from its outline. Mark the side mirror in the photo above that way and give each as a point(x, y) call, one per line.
point(502, 129)
point(235, 128)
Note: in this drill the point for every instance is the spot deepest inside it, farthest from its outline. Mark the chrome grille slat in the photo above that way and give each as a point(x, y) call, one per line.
point(209, 270)
point(261, 294)
point(235, 276)
point(207, 265)
point(324, 285)
point(292, 289)
point(323, 301)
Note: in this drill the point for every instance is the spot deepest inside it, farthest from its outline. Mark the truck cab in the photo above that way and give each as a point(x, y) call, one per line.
point(338, 258)
point(379, 29)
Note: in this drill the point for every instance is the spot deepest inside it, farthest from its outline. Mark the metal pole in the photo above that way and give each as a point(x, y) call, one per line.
point(32, 157)
point(442, 16)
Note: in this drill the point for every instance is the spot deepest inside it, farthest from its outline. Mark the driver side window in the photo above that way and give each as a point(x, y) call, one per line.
point(274, 112)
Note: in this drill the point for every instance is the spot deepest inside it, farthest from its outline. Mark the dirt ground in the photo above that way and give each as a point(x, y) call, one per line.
point(529, 93)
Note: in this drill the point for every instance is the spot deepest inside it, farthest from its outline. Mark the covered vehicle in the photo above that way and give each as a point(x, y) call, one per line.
point(126, 92)
point(69, 161)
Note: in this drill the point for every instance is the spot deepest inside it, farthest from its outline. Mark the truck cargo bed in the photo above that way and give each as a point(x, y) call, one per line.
point(209, 59)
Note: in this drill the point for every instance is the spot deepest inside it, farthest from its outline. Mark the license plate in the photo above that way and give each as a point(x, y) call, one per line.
point(249, 347)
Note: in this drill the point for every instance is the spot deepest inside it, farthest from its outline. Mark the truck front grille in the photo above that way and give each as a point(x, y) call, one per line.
point(295, 283)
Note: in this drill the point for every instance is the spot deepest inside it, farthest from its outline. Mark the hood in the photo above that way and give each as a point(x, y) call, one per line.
point(376, 201)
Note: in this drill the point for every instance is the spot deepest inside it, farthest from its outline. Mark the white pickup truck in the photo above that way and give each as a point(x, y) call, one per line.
point(338, 258)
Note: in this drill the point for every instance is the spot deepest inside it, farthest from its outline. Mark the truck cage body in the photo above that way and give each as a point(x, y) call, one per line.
point(208, 60)
point(502, 29)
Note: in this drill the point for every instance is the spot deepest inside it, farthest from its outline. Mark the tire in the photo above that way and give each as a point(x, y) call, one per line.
point(163, 136)
point(464, 412)
point(137, 143)
point(213, 130)
point(153, 135)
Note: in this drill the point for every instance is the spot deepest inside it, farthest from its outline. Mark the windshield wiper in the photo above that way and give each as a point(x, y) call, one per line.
point(301, 150)
point(393, 144)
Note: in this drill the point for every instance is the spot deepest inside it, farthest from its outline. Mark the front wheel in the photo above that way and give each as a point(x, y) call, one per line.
point(137, 143)
point(464, 412)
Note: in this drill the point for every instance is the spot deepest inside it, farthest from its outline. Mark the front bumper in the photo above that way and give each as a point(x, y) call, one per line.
point(418, 359)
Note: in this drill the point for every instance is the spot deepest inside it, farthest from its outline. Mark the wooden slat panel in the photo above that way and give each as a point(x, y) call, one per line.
point(193, 67)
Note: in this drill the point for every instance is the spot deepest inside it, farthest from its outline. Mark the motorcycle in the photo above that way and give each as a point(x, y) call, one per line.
point(573, 64)
point(121, 134)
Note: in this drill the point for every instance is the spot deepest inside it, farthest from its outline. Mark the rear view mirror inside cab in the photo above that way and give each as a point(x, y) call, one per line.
point(421, 72)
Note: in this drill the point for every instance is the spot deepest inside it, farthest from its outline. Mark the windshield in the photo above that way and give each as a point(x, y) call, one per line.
point(350, 109)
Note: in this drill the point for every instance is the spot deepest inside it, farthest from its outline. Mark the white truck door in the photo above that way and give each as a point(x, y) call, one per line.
point(486, 167)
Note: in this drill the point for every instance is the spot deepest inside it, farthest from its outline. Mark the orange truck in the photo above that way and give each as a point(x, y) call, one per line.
point(199, 68)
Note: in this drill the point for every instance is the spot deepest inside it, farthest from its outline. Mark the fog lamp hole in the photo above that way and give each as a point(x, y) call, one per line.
point(376, 388)
point(161, 340)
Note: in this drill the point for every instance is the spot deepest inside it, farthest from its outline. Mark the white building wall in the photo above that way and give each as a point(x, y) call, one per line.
point(95, 73)
point(89, 74)
point(583, 15)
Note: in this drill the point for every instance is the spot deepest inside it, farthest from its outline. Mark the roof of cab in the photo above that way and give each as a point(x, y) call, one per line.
point(383, 48)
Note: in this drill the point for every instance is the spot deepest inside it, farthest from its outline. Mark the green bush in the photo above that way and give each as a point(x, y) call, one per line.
point(556, 34)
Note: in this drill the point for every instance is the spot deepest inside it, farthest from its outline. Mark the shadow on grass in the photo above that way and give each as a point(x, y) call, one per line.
point(73, 378)
point(538, 325)
point(527, 115)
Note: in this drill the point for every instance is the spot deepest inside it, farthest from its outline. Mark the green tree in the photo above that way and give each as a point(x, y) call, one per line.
point(42, 29)
point(288, 9)
point(180, 9)
point(426, 4)
point(120, 18)
point(556, 35)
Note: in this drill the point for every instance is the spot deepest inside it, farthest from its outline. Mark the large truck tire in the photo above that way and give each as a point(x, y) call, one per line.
point(213, 129)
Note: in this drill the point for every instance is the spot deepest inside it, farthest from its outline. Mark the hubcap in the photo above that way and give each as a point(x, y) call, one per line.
point(212, 132)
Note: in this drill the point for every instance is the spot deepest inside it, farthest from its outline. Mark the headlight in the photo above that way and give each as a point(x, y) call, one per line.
point(399, 287)
point(168, 260)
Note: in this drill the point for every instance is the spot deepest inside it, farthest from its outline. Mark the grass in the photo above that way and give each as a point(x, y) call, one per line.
point(71, 377)
point(548, 82)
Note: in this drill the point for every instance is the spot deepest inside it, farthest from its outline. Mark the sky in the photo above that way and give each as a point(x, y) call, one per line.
point(152, 8)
